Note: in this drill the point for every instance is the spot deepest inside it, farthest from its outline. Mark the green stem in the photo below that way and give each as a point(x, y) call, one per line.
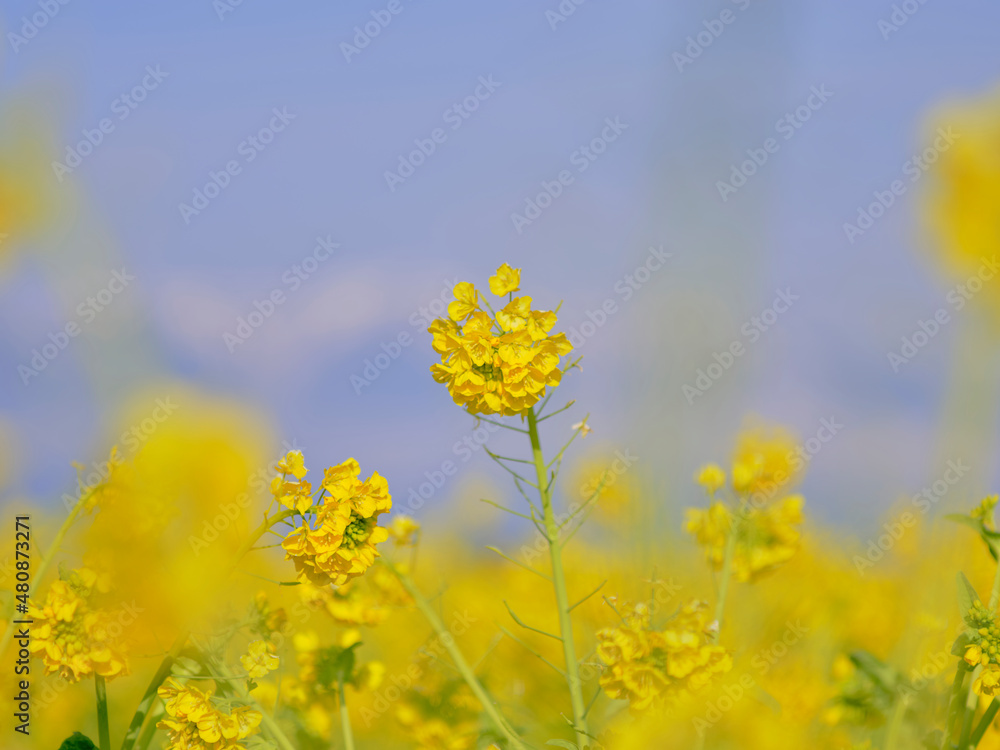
point(146, 737)
point(995, 592)
point(235, 684)
point(971, 701)
point(727, 573)
point(954, 704)
point(345, 718)
point(468, 674)
point(162, 672)
point(896, 724)
point(984, 723)
point(104, 735)
point(559, 584)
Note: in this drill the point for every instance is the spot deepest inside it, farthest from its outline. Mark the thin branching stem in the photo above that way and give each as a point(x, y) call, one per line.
point(529, 648)
point(524, 625)
point(581, 601)
point(508, 558)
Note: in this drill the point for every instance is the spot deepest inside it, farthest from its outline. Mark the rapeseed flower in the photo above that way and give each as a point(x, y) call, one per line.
point(766, 537)
point(338, 544)
point(497, 363)
point(196, 721)
point(651, 668)
point(258, 660)
point(440, 715)
point(73, 637)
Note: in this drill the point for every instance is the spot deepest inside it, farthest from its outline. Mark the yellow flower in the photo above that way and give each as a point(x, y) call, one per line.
point(258, 660)
point(962, 190)
point(651, 668)
point(984, 511)
point(443, 715)
point(988, 682)
point(974, 655)
point(506, 281)
point(404, 530)
point(293, 463)
point(73, 638)
point(765, 461)
point(766, 537)
point(297, 495)
point(497, 366)
point(465, 302)
point(711, 477)
point(194, 722)
point(339, 544)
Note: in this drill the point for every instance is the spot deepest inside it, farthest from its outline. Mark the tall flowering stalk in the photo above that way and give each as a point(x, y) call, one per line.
point(504, 363)
point(757, 531)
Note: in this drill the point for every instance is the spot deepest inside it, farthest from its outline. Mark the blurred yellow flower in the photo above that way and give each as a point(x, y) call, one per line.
point(258, 660)
point(988, 682)
point(711, 477)
point(74, 638)
point(984, 511)
point(766, 537)
point(404, 530)
point(962, 196)
point(650, 668)
point(765, 461)
point(442, 715)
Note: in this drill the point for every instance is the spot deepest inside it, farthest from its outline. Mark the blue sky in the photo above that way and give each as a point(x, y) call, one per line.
point(553, 90)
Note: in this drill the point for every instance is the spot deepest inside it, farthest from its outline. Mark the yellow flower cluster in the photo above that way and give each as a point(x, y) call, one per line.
point(651, 668)
point(984, 648)
point(339, 543)
point(265, 619)
point(765, 462)
point(72, 637)
point(441, 716)
point(292, 494)
point(962, 193)
point(502, 362)
point(766, 537)
point(984, 511)
point(365, 601)
point(195, 722)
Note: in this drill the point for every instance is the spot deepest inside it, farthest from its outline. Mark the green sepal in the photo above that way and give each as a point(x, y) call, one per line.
point(966, 597)
point(965, 639)
point(77, 741)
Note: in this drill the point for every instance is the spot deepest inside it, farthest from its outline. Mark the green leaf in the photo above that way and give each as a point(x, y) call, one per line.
point(562, 743)
point(78, 742)
point(966, 638)
point(186, 667)
point(762, 696)
point(966, 596)
point(881, 674)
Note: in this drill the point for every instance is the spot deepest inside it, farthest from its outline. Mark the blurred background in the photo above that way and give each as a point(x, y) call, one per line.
point(167, 169)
